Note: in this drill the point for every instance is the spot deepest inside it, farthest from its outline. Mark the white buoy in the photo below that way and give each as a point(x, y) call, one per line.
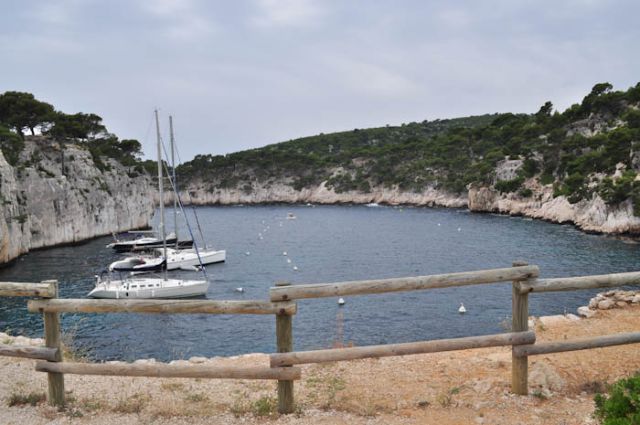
point(289, 260)
point(284, 253)
point(438, 224)
point(247, 253)
point(462, 310)
point(295, 268)
point(459, 229)
point(239, 289)
point(341, 301)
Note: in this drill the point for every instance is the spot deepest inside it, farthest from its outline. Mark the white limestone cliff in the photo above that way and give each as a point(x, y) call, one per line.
point(43, 207)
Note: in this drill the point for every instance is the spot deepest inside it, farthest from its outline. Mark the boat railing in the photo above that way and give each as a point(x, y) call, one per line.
point(523, 278)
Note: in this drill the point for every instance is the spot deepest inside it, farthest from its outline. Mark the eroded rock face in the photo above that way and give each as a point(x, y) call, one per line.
point(44, 207)
point(592, 215)
point(282, 192)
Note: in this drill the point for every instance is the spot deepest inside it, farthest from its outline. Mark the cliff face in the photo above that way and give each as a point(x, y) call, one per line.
point(283, 192)
point(44, 207)
point(592, 215)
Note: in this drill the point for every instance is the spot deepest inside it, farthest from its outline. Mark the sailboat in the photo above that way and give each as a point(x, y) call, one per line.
point(179, 256)
point(150, 287)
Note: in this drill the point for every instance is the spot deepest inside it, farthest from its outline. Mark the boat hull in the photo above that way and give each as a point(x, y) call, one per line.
point(150, 289)
point(189, 258)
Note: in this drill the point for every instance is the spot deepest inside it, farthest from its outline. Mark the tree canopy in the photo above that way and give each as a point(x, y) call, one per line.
point(20, 111)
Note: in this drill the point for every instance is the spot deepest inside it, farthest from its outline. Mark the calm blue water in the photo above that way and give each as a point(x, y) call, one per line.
point(328, 244)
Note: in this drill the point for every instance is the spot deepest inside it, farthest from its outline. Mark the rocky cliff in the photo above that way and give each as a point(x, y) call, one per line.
point(42, 206)
point(592, 215)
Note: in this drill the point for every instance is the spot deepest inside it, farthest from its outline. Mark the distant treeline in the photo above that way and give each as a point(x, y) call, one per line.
point(576, 150)
point(21, 112)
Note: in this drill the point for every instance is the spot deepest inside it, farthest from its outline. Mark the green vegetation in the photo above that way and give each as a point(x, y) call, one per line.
point(32, 399)
point(622, 405)
point(20, 111)
point(574, 150)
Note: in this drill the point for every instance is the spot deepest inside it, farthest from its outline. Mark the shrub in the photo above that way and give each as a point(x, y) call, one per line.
point(525, 192)
point(509, 185)
point(622, 405)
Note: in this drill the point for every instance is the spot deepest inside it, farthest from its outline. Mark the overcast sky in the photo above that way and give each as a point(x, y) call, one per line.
point(243, 74)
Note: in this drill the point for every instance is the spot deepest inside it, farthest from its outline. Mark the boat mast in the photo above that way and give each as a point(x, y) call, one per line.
point(175, 182)
point(160, 189)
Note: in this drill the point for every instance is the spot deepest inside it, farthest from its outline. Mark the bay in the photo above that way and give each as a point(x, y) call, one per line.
point(327, 244)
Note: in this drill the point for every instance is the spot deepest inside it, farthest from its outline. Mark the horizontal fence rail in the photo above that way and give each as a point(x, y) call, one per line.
point(160, 306)
point(293, 292)
point(577, 344)
point(339, 354)
point(25, 289)
point(28, 352)
point(171, 371)
point(582, 282)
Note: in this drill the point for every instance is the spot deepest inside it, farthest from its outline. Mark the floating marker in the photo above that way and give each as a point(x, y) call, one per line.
point(295, 268)
point(284, 253)
point(438, 224)
point(459, 229)
point(462, 310)
point(239, 289)
point(289, 260)
point(340, 301)
point(247, 253)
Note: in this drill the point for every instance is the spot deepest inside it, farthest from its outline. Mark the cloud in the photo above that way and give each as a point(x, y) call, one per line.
point(371, 79)
point(286, 13)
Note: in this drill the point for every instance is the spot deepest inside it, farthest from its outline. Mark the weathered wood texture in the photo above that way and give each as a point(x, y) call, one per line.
point(284, 342)
point(170, 371)
point(160, 306)
point(53, 340)
point(29, 352)
point(339, 354)
point(578, 344)
point(401, 284)
point(23, 289)
point(582, 282)
point(519, 323)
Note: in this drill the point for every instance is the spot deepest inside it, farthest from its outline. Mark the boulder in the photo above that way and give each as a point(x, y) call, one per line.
point(606, 304)
point(586, 312)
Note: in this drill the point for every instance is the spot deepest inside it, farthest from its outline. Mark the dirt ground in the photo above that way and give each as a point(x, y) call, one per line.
point(463, 387)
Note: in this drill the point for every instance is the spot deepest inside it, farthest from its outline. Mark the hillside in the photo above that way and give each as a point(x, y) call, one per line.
point(588, 153)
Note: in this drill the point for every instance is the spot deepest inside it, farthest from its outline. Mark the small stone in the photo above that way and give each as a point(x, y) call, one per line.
point(423, 403)
point(593, 304)
point(636, 299)
point(605, 304)
point(621, 304)
point(197, 359)
point(586, 312)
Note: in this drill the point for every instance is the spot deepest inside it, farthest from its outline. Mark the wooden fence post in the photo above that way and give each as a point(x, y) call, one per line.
point(52, 340)
point(520, 323)
point(284, 339)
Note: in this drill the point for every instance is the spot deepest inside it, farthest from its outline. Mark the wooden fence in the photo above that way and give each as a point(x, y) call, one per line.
point(524, 280)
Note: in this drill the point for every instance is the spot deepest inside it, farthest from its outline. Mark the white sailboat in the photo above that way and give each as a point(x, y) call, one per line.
point(178, 257)
point(191, 257)
point(150, 287)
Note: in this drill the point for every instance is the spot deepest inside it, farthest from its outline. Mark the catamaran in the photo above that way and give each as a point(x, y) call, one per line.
point(151, 287)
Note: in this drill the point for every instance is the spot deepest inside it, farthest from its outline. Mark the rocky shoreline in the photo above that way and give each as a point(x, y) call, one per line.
point(592, 216)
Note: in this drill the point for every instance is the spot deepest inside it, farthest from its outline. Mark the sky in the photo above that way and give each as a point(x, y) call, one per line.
point(242, 74)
